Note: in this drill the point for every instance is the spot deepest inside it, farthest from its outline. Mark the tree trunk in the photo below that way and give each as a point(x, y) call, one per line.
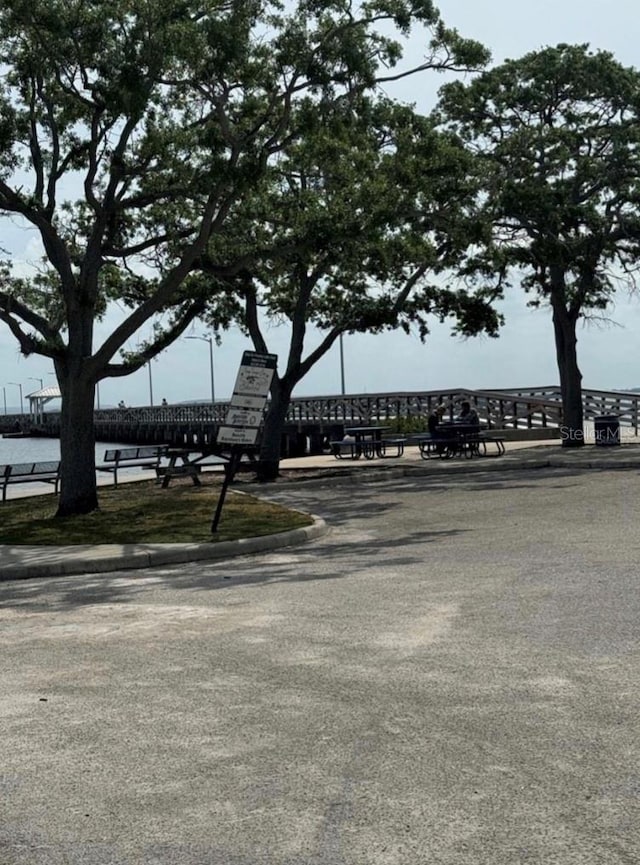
point(78, 488)
point(564, 324)
point(271, 446)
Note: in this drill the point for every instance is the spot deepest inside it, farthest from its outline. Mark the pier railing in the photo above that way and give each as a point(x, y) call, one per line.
point(512, 408)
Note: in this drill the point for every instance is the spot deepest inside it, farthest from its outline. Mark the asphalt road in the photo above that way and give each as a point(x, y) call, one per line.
point(450, 676)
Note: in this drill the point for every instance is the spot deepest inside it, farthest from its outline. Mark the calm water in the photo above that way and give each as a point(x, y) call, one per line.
point(37, 449)
point(42, 449)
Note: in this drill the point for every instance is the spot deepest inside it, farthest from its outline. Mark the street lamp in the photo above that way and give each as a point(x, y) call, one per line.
point(150, 383)
point(21, 403)
point(4, 394)
point(31, 378)
point(148, 363)
point(210, 341)
point(342, 366)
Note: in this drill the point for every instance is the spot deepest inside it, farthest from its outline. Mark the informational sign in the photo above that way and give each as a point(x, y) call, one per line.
point(237, 435)
point(249, 398)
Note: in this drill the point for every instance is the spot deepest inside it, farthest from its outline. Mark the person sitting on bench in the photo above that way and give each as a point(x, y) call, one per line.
point(435, 418)
point(468, 415)
point(433, 421)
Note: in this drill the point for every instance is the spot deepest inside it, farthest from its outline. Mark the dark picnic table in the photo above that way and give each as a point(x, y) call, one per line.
point(363, 441)
point(188, 462)
point(459, 439)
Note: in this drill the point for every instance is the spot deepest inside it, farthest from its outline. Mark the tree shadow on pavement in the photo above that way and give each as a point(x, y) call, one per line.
point(352, 556)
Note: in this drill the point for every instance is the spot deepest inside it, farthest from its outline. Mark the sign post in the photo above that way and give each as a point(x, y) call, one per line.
point(244, 415)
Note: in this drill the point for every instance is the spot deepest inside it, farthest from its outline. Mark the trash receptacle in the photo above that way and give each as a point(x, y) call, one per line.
point(607, 430)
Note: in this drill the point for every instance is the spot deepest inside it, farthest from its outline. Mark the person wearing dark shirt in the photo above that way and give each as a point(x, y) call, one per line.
point(435, 418)
point(468, 415)
point(433, 422)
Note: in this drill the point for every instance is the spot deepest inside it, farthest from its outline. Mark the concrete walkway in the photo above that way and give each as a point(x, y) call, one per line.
point(23, 561)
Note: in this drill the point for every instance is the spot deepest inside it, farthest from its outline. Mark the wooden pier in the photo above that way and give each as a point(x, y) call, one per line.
point(314, 421)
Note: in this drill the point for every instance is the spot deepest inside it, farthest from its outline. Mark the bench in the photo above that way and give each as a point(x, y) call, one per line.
point(430, 445)
point(480, 442)
point(398, 443)
point(124, 458)
point(29, 473)
point(349, 448)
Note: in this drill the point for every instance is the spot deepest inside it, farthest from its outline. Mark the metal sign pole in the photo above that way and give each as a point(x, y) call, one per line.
point(229, 473)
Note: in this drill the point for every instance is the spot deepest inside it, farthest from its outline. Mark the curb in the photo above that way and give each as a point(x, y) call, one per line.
point(91, 561)
point(445, 468)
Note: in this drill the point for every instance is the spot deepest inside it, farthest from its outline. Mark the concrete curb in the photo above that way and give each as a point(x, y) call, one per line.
point(100, 559)
point(446, 468)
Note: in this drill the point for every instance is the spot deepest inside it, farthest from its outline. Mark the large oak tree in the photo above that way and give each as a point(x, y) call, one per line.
point(351, 231)
point(556, 141)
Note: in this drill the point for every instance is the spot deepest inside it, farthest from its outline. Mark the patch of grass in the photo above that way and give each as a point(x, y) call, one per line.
point(143, 512)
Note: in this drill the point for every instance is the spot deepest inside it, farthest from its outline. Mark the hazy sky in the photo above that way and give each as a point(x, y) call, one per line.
point(524, 354)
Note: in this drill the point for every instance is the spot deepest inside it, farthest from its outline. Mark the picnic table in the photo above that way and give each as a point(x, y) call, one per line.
point(188, 462)
point(458, 439)
point(367, 439)
point(369, 442)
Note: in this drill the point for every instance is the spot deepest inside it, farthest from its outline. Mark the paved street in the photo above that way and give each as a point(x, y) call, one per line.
point(451, 675)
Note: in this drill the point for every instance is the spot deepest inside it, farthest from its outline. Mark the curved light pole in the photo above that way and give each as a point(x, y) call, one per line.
point(31, 378)
point(4, 394)
point(17, 384)
point(208, 339)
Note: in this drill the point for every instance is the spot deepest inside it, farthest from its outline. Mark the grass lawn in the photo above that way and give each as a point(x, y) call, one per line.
point(142, 512)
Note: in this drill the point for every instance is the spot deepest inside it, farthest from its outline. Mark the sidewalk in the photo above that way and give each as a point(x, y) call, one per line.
point(23, 562)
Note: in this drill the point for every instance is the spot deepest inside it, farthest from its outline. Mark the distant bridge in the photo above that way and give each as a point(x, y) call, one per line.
point(313, 420)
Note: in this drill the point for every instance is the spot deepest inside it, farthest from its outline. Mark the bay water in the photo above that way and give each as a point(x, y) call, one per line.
point(31, 450)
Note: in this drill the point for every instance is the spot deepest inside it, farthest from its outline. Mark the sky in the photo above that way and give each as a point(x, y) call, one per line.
point(523, 355)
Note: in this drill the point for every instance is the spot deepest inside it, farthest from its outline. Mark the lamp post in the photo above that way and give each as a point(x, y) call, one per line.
point(148, 363)
point(208, 339)
point(31, 378)
point(21, 403)
point(342, 366)
point(4, 394)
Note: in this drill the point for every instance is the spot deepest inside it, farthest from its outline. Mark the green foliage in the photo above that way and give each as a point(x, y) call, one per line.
point(351, 227)
point(557, 144)
point(556, 140)
point(407, 425)
point(165, 118)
